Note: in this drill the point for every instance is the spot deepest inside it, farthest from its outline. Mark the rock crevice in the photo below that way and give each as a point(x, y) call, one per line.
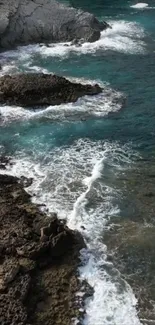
point(39, 256)
point(24, 22)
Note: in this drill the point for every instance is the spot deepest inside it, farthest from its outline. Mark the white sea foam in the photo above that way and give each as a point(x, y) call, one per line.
point(77, 181)
point(113, 301)
point(140, 5)
point(9, 113)
point(125, 37)
point(8, 68)
point(87, 106)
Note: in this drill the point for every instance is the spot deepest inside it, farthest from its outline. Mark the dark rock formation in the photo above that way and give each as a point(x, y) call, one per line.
point(37, 89)
point(31, 21)
point(4, 161)
point(38, 262)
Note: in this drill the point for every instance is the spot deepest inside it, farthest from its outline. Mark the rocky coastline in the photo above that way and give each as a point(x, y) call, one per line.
point(39, 254)
point(38, 89)
point(25, 22)
point(39, 258)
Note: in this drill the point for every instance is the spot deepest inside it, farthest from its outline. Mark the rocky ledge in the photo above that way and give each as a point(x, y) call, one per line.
point(33, 21)
point(38, 89)
point(39, 256)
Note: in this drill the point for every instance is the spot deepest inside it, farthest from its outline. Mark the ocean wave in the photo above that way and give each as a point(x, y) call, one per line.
point(77, 182)
point(97, 106)
point(125, 37)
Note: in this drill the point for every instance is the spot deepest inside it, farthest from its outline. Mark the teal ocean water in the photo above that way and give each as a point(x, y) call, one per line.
point(76, 152)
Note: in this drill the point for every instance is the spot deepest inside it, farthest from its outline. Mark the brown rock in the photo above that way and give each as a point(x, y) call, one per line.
point(38, 89)
point(31, 270)
point(11, 274)
point(61, 243)
point(26, 265)
point(3, 285)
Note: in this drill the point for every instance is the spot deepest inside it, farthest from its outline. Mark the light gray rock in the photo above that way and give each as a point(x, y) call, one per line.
point(32, 21)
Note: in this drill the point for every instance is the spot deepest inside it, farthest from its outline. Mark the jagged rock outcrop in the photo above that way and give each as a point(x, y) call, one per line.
point(31, 21)
point(39, 256)
point(38, 89)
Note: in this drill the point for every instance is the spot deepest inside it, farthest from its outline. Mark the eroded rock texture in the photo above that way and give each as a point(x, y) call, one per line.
point(39, 256)
point(31, 21)
point(37, 89)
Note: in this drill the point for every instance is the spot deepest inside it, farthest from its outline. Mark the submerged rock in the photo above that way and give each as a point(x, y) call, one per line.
point(38, 279)
point(38, 89)
point(34, 21)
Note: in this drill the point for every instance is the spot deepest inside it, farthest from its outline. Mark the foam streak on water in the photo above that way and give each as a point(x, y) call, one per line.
point(87, 106)
point(113, 301)
point(125, 37)
point(140, 5)
point(78, 183)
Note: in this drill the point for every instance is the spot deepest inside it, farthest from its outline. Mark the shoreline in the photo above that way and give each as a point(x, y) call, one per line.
point(39, 259)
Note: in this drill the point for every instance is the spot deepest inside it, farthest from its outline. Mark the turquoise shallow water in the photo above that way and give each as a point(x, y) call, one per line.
point(76, 152)
point(127, 67)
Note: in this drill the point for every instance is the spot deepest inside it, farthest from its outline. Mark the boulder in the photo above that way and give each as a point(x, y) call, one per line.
point(31, 21)
point(38, 89)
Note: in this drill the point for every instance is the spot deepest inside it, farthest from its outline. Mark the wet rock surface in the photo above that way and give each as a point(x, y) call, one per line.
point(131, 239)
point(39, 256)
point(4, 161)
point(38, 89)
